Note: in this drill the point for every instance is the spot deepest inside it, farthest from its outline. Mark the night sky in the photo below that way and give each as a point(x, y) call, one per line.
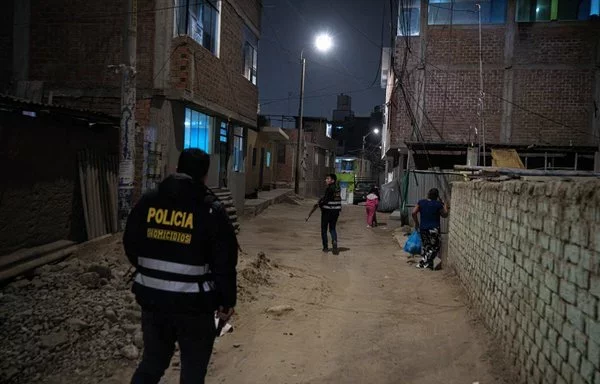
point(349, 67)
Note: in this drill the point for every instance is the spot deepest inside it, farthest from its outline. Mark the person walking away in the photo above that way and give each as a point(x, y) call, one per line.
point(184, 249)
point(430, 211)
point(376, 191)
point(331, 206)
point(372, 203)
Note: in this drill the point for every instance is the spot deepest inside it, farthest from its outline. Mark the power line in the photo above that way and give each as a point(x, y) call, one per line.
point(315, 96)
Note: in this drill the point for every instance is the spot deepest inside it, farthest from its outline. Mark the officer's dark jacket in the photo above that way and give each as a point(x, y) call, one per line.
point(331, 201)
point(183, 247)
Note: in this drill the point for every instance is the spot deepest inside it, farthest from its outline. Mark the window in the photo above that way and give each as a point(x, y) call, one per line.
point(316, 157)
point(328, 130)
point(198, 129)
point(268, 159)
point(253, 157)
point(281, 153)
point(223, 133)
point(327, 159)
point(238, 149)
point(444, 12)
point(199, 20)
point(546, 10)
point(408, 18)
point(250, 52)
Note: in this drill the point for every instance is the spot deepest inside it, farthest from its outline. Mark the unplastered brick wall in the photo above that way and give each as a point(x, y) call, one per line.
point(528, 256)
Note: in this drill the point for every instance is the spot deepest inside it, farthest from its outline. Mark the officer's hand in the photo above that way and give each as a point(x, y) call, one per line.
point(225, 314)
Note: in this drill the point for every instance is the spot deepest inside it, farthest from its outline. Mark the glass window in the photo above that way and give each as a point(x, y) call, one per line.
point(238, 149)
point(223, 133)
point(316, 157)
point(408, 18)
point(250, 52)
point(199, 20)
point(445, 12)
point(268, 159)
point(198, 129)
point(595, 8)
point(546, 10)
point(328, 130)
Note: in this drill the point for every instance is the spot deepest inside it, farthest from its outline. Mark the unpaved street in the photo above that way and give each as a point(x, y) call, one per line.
point(365, 316)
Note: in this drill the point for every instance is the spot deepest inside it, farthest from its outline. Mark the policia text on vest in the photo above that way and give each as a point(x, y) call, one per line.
point(173, 219)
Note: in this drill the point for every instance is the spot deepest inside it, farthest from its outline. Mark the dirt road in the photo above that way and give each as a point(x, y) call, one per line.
point(365, 316)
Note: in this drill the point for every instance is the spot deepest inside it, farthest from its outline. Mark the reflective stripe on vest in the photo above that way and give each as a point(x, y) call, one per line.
point(167, 266)
point(333, 205)
point(167, 285)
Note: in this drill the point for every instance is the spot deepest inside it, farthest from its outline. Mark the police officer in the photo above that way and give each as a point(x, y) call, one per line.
point(184, 250)
point(331, 206)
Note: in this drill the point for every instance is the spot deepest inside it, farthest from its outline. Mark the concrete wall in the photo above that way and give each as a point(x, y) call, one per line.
point(40, 196)
point(528, 256)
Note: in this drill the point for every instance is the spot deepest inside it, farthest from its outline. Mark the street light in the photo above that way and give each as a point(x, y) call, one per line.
point(323, 43)
point(375, 131)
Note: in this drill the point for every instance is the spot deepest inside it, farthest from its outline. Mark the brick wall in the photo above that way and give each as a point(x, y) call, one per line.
point(73, 43)
point(553, 77)
point(214, 79)
point(528, 256)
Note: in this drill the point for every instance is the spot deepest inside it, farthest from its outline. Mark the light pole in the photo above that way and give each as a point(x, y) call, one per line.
point(374, 131)
point(323, 43)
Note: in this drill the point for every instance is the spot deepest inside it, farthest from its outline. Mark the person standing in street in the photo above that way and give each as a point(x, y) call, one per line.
point(331, 206)
point(184, 249)
point(430, 210)
point(372, 203)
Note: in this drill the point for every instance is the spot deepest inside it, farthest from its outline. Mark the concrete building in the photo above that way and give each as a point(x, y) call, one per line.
point(196, 73)
point(344, 110)
point(540, 80)
point(261, 162)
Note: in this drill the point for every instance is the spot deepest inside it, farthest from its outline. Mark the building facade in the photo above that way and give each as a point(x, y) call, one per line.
point(195, 76)
point(536, 63)
point(316, 161)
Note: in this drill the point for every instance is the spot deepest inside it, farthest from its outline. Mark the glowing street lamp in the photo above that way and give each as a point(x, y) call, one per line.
point(323, 43)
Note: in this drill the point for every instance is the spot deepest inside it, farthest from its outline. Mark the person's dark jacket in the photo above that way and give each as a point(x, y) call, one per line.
point(331, 201)
point(169, 250)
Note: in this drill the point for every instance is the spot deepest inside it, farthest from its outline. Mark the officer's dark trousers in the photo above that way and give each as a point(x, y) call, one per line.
point(195, 335)
point(329, 218)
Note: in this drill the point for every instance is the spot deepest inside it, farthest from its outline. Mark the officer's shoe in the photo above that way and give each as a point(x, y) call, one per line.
point(325, 249)
point(336, 250)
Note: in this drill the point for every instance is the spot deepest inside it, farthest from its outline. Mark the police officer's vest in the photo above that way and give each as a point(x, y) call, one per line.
point(336, 203)
point(174, 275)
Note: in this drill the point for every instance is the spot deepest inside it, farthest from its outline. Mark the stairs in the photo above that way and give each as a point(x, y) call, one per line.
point(226, 198)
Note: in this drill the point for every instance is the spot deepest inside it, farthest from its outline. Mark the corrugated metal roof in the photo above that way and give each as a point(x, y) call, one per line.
point(75, 112)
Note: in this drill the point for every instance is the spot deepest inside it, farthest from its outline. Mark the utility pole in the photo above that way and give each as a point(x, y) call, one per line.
point(481, 92)
point(300, 126)
point(128, 99)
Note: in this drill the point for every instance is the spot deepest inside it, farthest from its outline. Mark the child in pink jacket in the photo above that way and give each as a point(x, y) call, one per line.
point(372, 203)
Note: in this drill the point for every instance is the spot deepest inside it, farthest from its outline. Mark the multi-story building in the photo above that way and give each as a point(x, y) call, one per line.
point(196, 73)
point(536, 62)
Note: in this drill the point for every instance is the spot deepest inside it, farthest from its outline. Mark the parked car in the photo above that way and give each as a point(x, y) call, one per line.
point(362, 190)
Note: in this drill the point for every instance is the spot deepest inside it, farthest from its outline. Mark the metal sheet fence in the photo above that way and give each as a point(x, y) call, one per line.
point(420, 182)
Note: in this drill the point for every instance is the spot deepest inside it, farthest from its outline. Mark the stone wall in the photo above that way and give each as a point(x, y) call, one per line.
point(528, 256)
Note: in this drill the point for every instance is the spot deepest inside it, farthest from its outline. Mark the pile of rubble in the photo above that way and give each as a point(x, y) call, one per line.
point(78, 318)
point(70, 317)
